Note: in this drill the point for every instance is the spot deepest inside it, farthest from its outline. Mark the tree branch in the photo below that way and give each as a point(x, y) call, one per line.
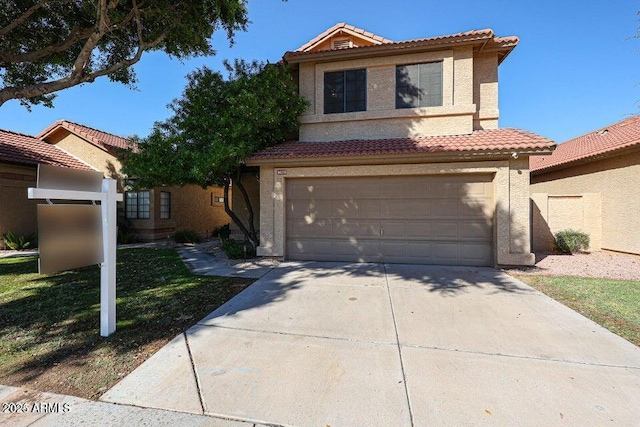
point(18, 21)
point(77, 75)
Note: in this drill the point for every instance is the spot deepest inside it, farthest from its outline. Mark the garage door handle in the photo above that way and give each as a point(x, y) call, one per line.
point(381, 231)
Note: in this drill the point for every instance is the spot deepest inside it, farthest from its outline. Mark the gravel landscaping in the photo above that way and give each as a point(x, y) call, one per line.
point(601, 264)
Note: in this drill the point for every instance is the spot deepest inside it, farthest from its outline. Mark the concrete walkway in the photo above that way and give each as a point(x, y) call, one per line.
point(315, 344)
point(202, 263)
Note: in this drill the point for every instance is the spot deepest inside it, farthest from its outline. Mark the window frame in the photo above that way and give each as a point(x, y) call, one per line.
point(349, 82)
point(165, 208)
point(421, 103)
point(139, 204)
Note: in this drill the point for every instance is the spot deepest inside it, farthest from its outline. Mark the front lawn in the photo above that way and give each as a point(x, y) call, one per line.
point(614, 304)
point(49, 324)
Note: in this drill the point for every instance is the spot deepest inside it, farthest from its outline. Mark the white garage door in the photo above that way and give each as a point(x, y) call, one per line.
point(444, 219)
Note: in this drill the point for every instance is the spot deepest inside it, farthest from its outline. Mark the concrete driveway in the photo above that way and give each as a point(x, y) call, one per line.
point(329, 344)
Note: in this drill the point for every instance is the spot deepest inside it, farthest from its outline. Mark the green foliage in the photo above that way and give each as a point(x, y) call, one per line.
point(19, 243)
point(223, 232)
point(216, 124)
point(41, 41)
point(238, 250)
point(186, 236)
point(572, 241)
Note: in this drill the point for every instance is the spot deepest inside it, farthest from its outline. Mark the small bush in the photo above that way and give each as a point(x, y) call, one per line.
point(224, 232)
point(572, 241)
point(238, 250)
point(19, 243)
point(186, 236)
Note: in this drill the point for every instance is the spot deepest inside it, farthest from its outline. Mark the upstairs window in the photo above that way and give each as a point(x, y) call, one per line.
point(419, 85)
point(345, 91)
point(137, 204)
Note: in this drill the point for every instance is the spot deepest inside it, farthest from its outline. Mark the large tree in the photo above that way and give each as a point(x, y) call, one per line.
point(215, 125)
point(50, 45)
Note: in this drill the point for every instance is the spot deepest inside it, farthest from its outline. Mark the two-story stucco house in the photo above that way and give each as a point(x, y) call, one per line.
point(400, 158)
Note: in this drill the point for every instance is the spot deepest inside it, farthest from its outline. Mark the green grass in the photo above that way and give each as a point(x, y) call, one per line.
point(49, 324)
point(614, 304)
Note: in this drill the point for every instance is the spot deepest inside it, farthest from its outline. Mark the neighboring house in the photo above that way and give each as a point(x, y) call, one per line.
point(19, 156)
point(590, 183)
point(400, 158)
point(155, 213)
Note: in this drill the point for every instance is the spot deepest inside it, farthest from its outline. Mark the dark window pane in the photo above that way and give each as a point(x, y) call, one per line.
point(356, 90)
point(334, 92)
point(419, 85)
point(345, 91)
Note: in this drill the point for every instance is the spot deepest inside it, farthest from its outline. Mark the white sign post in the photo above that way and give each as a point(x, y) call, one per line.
point(108, 198)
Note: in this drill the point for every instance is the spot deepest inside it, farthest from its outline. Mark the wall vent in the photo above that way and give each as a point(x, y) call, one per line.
point(342, 44)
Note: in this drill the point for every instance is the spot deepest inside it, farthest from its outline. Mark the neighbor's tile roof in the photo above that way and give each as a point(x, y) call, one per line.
point(478, 141)
point(620, 135)
point(338, 27)
point(485, 34)
point(24, 149)
point(97, 137)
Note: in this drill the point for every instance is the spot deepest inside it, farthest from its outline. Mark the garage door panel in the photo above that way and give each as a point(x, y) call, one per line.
point(443, 219)
point(356, 228)
point(443, 208)
point(403, 209)
point(306, 209)
point(476, 230)
point(474, 208)
point(444, 230)
point(475, 254)
point(391, 229)
point(322, 228)
point(357, 208)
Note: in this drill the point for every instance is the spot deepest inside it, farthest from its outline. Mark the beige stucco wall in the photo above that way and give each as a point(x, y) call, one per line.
point(485, 91)
point(18, 214)
point(382, 119)
point(511, 192)
point(96, 157)
point(617, 181)
point(553, 213)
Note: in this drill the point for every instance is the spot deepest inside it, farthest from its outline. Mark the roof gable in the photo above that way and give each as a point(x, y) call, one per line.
point(322, 47)
point(604, 141)
point(25, 149)
point(356, 37)
point(104, 140)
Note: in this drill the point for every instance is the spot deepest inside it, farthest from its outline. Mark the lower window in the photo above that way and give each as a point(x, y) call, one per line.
point(137, 204)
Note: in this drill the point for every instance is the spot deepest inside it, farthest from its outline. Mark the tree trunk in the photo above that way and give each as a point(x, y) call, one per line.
point(250, 238)
point(247, 201)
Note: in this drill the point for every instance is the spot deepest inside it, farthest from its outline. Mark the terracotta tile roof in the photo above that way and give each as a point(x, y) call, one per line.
point(478, 141)
point(342, 25)
point(25, 149)
point(473, 35)
point(607, 140)
point(105, 140)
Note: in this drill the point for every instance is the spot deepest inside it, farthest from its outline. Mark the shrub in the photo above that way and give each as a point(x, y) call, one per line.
point(237, 250)
point(19, 243)
point(572, 241)
point(186, 236)
point(224, 232)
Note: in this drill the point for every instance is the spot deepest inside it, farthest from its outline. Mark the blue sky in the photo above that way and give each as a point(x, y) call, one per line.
point(575, 69)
